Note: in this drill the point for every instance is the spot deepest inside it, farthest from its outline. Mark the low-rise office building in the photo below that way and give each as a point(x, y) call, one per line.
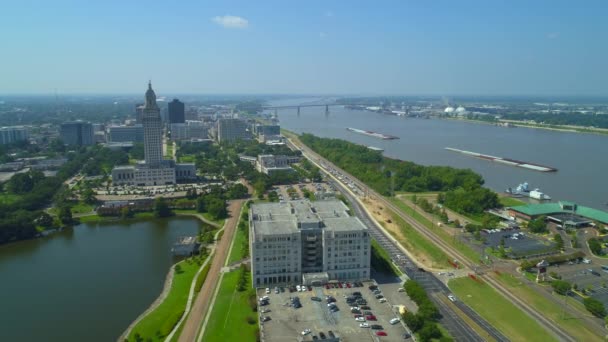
point(311, 242)
point(268, 163)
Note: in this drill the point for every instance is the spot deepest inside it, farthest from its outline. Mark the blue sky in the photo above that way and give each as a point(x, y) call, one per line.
point(311, 47)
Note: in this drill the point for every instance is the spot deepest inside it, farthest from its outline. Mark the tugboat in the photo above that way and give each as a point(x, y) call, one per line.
point(523, 190)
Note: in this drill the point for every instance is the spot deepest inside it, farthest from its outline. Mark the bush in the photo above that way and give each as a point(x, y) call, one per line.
point(561, 287)
point(202, 277)
point(595, 307)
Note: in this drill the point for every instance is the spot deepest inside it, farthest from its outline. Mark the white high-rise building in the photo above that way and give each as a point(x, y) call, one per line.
point(153, 130)
point(307, 242)
point(154, 170)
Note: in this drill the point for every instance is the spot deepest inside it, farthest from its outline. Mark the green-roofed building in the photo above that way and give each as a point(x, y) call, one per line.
point(563, 212)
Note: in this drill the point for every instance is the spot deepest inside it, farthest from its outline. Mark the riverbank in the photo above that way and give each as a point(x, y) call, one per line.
point(517, 123)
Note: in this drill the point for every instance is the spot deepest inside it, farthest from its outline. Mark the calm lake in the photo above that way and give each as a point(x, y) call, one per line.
point(87, 283)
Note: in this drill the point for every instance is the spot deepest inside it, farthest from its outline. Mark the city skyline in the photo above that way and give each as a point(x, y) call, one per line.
point(475, 48)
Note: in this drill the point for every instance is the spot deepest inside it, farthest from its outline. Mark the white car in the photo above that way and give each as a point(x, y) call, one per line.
point(363, 325)
point(452, 298)
point(394, 321)
point(382, 300)
point(305, 332)
point(267, 290)
point(298, 288)
point(360, 319)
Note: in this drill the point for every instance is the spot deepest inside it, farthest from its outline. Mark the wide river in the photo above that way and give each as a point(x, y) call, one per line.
point(582, 159)
point(87, 283)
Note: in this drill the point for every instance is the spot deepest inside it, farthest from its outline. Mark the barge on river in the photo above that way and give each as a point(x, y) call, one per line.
point(506, 161)
point(372, 134)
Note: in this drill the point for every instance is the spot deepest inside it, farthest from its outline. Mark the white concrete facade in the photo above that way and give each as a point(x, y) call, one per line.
point(290, 239)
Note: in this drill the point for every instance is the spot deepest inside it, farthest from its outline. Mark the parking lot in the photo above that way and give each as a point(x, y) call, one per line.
point(297, 190)
point(596, 282)
point(286, 323)
point(520, 243)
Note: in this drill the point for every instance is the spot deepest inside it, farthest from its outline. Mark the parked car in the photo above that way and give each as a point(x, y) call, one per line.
point(316, 299)
point(370, 318)
point(360, 319)
point(381, 333)
point(267, 290)
point(382, 300)
point(331, 334)
point(305, 332)
point(376, 327)
point(394, 321)
point(363, 325)
point(322, 335)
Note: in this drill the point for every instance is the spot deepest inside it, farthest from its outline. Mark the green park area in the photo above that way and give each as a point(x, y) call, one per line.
point(240, 246)
point(510, 201)
point(498, 311)
point(551, 310)
point(157, 324)
point(232, 317)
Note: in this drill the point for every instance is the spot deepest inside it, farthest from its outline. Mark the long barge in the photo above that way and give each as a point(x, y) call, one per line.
point(372, 134)
point(506, 161)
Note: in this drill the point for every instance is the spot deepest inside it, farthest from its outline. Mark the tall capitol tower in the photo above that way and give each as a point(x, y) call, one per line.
point(152, 123)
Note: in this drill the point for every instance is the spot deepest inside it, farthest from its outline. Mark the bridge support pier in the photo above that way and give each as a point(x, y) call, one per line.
point(326, 110)
point(298, 110)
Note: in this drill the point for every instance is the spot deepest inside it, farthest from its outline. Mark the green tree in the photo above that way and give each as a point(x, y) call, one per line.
point(45, 220)
point(161, 208)
point(200, 205)
point(65, 215)
point(595, 245)
point(561, 287)
point(559, 242)
point(538, 225)
point(595, 307)
point(126, 212)
point(217, 208)
point(88, 196)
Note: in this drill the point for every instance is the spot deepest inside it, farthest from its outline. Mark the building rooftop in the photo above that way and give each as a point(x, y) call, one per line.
point(291, 216)
point(558, 208)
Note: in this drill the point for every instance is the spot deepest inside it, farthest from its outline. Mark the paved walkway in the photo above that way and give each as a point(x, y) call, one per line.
point(202, 303)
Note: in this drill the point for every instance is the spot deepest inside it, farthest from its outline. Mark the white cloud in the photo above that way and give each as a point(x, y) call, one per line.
point(553, 35)
point(322, 35)
point(231, 21)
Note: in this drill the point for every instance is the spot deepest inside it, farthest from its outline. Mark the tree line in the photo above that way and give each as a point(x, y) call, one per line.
point(464, 191)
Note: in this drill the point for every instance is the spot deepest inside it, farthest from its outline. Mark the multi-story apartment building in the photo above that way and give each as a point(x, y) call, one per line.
point(124, 133)
point(307, 242)
point(12, 134)
point(77, 133)
point(229, 130)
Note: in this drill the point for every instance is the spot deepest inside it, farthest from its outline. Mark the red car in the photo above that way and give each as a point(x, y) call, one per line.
point(370, 318)
point(348, 285)
point(327, 287)
point(380, 333)
point(340, 285)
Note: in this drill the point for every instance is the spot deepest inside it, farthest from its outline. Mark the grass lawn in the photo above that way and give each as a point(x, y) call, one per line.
point(6, 198)
point(502, 314)
point(383, 255)
point(228, 319)
point(239, 239)
point(555, 312)
point(159, 323)
point(81, 207)
point(510, 201)
point(439, 231)
point(418, 244)
point(96, 218)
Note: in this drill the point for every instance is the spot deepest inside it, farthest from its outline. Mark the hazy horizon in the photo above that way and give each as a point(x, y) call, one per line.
point(443, 48)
